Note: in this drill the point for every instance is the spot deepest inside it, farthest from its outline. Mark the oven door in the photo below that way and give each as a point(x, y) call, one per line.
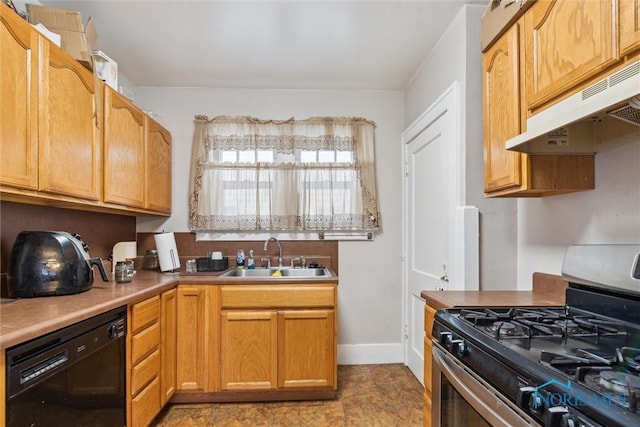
point(461, 398)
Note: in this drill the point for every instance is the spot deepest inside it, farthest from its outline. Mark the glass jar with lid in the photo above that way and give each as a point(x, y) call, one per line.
point(150, 261)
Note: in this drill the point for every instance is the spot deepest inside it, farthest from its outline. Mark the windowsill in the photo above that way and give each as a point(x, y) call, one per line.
point(326, 235)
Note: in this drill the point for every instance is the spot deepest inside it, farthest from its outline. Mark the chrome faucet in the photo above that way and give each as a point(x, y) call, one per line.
point(279, 249)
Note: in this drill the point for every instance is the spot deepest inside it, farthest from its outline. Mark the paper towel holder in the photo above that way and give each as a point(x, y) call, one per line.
point(168, 257)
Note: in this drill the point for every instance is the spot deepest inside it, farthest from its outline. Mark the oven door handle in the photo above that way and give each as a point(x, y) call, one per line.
point(479, 394)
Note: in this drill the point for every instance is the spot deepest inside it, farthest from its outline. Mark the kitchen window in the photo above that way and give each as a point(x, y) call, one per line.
point(251, 175)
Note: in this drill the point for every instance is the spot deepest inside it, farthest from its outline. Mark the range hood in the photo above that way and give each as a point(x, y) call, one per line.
point(574, 125)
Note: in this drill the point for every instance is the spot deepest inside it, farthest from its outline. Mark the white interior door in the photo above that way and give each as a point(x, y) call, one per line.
point(438, 233)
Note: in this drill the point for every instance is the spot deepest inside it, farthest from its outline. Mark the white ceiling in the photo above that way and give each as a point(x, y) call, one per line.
point(268, 44)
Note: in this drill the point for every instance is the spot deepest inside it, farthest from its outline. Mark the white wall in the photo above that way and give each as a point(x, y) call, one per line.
point(523, 235)
point(608, 214)
point(457, 56)
point(370, 290)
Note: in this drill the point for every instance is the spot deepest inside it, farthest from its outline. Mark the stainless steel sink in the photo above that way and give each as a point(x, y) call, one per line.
point(305, 272)
point(258, 272)
point(285, 272)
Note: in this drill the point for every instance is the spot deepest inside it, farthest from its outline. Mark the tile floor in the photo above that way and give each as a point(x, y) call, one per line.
point(368, 396)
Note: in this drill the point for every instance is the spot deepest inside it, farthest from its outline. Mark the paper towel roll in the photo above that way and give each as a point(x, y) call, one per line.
point(167, 251)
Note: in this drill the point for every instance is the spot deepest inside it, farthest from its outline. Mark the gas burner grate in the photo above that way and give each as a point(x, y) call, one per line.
point(539, 323)
point(480, 317)
point(569, 364)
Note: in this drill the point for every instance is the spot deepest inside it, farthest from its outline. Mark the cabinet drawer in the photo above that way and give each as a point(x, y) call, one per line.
point(144, 372)
point(145, 342)
point(146, 405)
point(276, 296)
point(145, 313)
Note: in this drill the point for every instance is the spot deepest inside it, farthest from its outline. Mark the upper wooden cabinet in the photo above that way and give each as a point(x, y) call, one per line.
point(70, 161)
point(629, 23)
point(125, 151)
point(158, 177)
point(19, 87)
point(566, 43)
point(49, 121)
point(67, 141)
point(502, 113)
point(137, 166)
point(510, 173)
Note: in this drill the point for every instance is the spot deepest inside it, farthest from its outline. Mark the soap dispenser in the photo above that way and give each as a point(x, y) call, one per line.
point(251, 263)
point(240, 259)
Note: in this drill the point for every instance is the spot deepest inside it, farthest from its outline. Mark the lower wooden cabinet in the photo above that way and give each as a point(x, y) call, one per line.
point(144, 373)
point(248, 350)
point(191, 338)
point(306, 349)
point(279, 337)
point(152, 356)
point(146, 404)
point(3, 388)
point(429, 316)
point(270, 350)
point(207, 343)
point(168, 344)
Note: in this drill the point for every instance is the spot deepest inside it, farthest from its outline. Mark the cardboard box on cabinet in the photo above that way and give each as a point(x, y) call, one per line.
point(499, 16)
point(77, 39)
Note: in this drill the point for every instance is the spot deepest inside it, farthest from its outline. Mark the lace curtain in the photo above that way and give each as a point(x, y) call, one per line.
point(293, 175)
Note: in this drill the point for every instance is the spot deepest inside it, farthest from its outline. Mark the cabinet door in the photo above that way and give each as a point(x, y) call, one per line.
point(566, 43)
point(124, 151)
point(19, 82)
point(629, 26)
point(158, 167)
point(428, 346)
point(501, 112)
point(69, 141)
point(306, 350)
point(168, 347)
point(248, 350)
point(191, 334)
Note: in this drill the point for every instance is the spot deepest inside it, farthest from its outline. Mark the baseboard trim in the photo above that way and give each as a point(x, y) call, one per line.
point(368, 354)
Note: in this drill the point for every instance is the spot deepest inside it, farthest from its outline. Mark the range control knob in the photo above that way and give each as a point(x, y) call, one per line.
point(445, 339)
point(459, 347)
point(559, 416)
point(528, 398)
point(569, 421)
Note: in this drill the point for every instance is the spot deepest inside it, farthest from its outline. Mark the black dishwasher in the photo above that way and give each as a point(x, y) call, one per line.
point(74, 376)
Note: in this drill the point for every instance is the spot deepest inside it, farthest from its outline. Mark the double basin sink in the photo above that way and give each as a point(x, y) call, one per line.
point(284, 272)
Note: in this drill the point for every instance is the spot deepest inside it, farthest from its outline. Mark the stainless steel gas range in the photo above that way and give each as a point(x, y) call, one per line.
point(574, 365)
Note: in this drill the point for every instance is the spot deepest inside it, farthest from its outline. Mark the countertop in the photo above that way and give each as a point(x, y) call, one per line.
point(548, 290)
point(28, 318)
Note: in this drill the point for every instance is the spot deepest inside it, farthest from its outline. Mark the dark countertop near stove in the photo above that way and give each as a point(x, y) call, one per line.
point(28, 318)
point(548, 290)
